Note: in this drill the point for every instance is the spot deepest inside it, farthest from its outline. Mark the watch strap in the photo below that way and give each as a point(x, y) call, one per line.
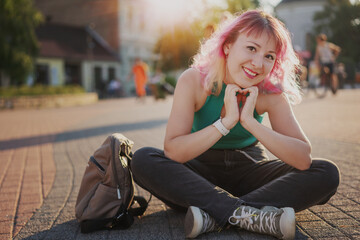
point(219, 126)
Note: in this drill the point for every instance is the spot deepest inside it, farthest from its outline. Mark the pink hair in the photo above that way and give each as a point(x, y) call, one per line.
point(211, 59)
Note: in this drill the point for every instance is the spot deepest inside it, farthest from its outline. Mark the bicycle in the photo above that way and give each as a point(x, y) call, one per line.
point(319, 84)
point(326, 80)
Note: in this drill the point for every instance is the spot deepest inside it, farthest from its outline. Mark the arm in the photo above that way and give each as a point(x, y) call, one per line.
point(286, 139)
point(335, 49)
point(180, 144)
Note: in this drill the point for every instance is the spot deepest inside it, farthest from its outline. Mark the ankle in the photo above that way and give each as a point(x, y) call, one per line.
point(197, 222)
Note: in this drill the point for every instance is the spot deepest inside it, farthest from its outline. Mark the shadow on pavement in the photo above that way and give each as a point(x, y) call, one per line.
point(78, 134)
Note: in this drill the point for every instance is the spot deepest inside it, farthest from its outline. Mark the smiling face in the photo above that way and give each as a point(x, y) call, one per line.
point(249, 59)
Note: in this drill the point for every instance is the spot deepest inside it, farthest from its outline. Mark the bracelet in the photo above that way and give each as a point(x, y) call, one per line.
point(219, 126)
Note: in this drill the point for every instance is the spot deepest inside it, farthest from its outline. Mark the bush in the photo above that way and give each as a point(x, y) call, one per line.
point(39, 90)
point(170, 80)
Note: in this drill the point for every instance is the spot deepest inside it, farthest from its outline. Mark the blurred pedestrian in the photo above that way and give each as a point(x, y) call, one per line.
point(114, 88)
point(156, 82)
point(139, 71)
point(325, 56)
point(341, 74)
point(214, 163)
point(314, 73)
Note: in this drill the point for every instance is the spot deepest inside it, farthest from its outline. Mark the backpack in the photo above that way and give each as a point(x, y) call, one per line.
point(106, 193)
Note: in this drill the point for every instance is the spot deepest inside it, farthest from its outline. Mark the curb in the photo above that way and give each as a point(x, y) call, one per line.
point(48, 101)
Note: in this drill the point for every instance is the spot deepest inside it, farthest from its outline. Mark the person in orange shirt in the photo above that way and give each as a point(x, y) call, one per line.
point(139, 70)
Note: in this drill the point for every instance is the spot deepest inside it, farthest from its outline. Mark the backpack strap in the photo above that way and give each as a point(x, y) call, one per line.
point(122, 220)
point(143, 204)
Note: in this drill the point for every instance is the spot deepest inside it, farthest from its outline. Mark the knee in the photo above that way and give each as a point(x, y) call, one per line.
point(140, 158)
point(144, 158)
point(330, 174)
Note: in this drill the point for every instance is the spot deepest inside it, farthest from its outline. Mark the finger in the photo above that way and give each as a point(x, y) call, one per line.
point(230, 89)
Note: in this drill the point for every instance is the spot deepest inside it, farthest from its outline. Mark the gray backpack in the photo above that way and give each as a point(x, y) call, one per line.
point(106, 193)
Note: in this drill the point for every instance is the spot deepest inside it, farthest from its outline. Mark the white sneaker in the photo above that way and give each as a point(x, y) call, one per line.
point(273, 221)
point(197, 222)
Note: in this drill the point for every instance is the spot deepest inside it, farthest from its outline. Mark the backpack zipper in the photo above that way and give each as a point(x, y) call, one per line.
point(93, 160)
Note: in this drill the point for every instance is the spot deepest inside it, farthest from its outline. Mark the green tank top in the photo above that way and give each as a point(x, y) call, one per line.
point(238, 136)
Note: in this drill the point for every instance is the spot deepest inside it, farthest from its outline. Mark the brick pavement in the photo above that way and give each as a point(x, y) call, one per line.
point(36, 203)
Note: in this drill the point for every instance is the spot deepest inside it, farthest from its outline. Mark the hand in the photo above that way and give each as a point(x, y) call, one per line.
point(246, 111)
point(230, 112)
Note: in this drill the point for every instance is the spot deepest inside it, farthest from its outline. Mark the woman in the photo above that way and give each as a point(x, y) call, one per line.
point(214, 163)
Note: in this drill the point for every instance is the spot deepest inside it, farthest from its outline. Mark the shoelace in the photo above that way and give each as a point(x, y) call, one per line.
point(246, 220)
point(208, 222)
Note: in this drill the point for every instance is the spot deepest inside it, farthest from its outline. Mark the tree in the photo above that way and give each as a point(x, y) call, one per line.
point(177, 47)
point(340, 21)
point(18, 43)
point(235, 6)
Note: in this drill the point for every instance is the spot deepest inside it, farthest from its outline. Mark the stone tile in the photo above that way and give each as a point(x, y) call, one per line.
point(333, 215)
point(351, 230)
point(349, 208)
point(341, 201)
point(306, 217)
point(346, 222)
point(6, 227)
point(334, 238)
point(356, 215)
point(313, 224)
point(324, 232)
point(5, 235)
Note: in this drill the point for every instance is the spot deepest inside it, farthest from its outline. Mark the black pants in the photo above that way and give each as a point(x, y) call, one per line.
point(219, 181)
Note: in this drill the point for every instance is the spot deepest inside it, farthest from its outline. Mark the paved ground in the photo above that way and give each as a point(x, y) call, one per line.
point(43, 154)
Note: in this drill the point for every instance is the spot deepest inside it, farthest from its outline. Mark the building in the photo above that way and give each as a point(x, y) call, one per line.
point(74, 55)
point(127, 26)
point(298, 18)
point(138, 33)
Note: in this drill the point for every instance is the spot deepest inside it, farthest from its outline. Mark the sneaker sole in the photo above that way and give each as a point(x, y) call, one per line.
point(287, 223)
point(193, 222)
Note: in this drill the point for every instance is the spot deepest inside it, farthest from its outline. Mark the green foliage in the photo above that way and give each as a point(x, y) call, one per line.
point(350, 67)
point(39, 90)
point(170, 80)
point(18, 43)
point(235, 6)
point(177, 47)
point(340, 21)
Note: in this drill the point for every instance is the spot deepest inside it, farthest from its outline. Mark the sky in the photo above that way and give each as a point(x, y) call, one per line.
point(269, 4)
point(175, 10)
point(169, 12)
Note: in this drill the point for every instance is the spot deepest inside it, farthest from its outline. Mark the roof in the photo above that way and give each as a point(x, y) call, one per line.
point(72, 42)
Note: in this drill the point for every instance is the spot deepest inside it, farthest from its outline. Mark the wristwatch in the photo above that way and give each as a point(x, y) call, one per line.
point(219, 126)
